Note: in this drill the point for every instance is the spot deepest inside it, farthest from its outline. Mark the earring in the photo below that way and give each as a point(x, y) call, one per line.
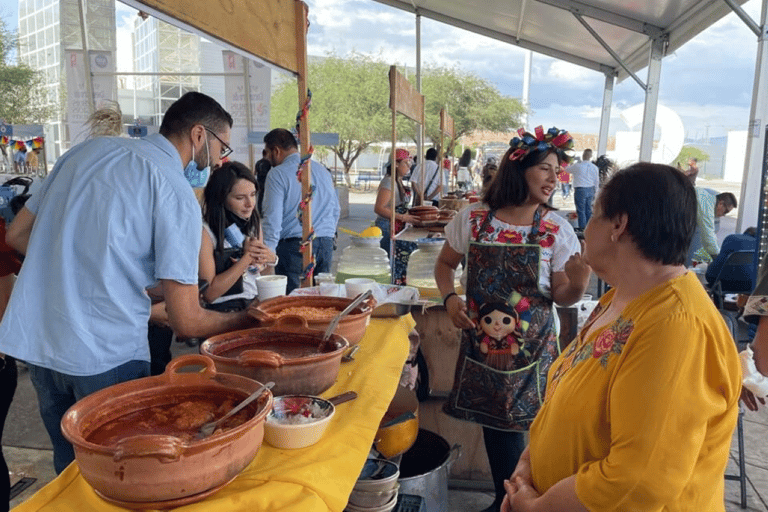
point(613, 238)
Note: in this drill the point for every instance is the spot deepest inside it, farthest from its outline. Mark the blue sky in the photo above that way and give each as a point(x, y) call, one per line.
point(712, 94)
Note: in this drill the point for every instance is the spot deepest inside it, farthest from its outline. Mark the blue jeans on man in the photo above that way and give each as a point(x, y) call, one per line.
point(291, 259)
point(584, 197)
point(57, 392)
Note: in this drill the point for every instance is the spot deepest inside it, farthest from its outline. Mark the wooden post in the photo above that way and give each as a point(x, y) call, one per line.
point(393, 167)
point(304, 136)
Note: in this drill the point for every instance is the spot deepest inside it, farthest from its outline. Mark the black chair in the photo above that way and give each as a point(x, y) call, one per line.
point(737, 275)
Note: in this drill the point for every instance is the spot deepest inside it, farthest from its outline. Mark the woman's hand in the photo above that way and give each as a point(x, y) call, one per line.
point(520, 496)
point(407, 217)
point(457, 311)
point(750, 400)
point(576, 268)
point(259, 253)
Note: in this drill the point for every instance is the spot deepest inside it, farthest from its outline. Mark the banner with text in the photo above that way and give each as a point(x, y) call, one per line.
point(104, 90)
point(260, 81)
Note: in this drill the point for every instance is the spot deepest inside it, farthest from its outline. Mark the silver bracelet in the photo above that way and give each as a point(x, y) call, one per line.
point(277, 258)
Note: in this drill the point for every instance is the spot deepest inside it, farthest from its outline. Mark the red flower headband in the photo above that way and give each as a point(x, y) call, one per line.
point(402, 154)
point(526, 142)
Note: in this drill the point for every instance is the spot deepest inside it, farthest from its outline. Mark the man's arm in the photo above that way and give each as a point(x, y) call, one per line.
point(20, 229)
point(707, 225)
point(189, 320)
point(274, 197)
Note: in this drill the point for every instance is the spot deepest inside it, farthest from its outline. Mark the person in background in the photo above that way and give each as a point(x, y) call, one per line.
point(586, 180)
point(711, 206)
point(230, 198)
point(427, 176)
point(282, 195)
point(489, 171)
point(693, 170)
point(462, 172)
point(640, 409)
point(732, 243)
point(756, 312)
point(565, 183)
point(261, 169)
point(9, 267)
point(447, 174)
point(115, 216)
point(605, 167)
point(20, 160)
point(383, 208)
point(521, 258)
point(33, 160)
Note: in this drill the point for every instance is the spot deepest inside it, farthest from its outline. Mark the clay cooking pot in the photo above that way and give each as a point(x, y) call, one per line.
point(290, 354)
point(154, 468)
point(351, 327)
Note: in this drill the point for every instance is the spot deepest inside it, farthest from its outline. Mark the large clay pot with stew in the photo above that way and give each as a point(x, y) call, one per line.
point(290, 354)
point(318, 311)
point(136, 449)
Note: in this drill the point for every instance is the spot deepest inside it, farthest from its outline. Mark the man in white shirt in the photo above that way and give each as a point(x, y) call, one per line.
point(586, 179)
point(426, 178)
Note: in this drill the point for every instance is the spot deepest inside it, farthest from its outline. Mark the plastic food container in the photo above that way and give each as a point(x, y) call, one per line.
point(297, 421)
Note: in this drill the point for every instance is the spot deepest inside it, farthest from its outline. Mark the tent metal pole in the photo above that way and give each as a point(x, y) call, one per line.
point(86, 57)
point(605, 115)
point(651, 98)
point(420, 130)
point(758, 118)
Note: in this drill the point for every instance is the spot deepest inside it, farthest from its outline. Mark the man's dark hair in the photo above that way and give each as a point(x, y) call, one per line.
point(280, 138)
point(751, 231)
point(728, 199)
point(192, 109)
point(660, 204)
point(509, 185)
point(587, 155)
point(431, 154)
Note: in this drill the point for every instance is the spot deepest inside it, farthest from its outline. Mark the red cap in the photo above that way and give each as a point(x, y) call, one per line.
point(402, 154)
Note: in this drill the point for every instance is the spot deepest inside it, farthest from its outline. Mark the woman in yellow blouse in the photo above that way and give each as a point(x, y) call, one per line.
point(640, 408)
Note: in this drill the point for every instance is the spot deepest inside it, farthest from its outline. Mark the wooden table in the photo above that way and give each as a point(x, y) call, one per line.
point(316, 478)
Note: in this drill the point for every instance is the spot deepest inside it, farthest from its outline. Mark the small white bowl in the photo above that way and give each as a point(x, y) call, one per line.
point(367, 499)
point(281, 434)
point(357, 285)
point(387, 507)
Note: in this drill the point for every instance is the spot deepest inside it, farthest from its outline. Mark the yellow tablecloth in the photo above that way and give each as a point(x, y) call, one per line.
point(315, 478)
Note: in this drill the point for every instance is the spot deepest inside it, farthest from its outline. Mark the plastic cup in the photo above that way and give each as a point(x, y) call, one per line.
point(271, 286)
point(357, 285)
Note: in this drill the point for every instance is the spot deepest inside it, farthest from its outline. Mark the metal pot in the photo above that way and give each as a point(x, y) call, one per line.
point(424, 470)
point(351, 327)
point(155, 470)
point(290, 354)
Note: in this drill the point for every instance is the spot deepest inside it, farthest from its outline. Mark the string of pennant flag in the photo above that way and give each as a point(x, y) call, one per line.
point(18, 145)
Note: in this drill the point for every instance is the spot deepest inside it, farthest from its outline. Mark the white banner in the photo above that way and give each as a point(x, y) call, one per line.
point(260, 81)
point(104, 90)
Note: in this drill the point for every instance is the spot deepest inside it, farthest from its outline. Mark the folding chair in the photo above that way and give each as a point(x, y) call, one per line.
point(736, 276)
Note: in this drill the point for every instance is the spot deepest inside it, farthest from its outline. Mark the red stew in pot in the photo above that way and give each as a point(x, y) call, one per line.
point(182, 419)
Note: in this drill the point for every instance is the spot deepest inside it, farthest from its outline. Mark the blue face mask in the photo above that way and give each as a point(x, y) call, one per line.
point(195, 176)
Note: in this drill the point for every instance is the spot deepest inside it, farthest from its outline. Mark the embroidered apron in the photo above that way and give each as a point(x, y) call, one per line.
point(502, 367)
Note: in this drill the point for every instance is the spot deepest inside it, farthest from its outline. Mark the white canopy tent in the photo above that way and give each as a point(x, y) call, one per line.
point(618, 39)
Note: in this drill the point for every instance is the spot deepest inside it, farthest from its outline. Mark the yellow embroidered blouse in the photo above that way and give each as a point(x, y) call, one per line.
point(644, 409)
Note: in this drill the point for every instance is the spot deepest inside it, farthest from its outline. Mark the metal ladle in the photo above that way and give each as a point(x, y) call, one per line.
point(207, 429)
point(332, 326)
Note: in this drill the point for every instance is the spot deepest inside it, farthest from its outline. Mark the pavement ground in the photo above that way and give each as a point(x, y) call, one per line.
point(28, 451)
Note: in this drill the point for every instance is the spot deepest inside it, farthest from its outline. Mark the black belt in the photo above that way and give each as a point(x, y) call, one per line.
point(292, 239)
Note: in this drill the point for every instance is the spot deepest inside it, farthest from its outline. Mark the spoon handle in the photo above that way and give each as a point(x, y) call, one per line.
point(359, 300)
point(247, 401)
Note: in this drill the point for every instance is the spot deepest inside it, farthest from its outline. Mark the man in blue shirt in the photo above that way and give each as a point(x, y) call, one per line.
point(282, 194)
point(732, 243)
point(115, 216)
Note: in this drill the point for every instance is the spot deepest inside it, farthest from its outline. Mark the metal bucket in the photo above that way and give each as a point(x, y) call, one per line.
point(424, 470)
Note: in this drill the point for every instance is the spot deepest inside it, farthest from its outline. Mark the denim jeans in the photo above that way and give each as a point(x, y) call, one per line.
point(584, 197)
point(291, 260)
point(566, 189)
point(57, 392)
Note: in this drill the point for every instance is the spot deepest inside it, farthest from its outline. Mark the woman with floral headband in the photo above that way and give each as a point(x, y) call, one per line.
point(518, 252)
point(640, 408)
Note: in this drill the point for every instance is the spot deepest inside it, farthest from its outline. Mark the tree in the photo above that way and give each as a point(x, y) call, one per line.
point(21, 87)
point(472, 102)
point(349, 97)
point(688, 152)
